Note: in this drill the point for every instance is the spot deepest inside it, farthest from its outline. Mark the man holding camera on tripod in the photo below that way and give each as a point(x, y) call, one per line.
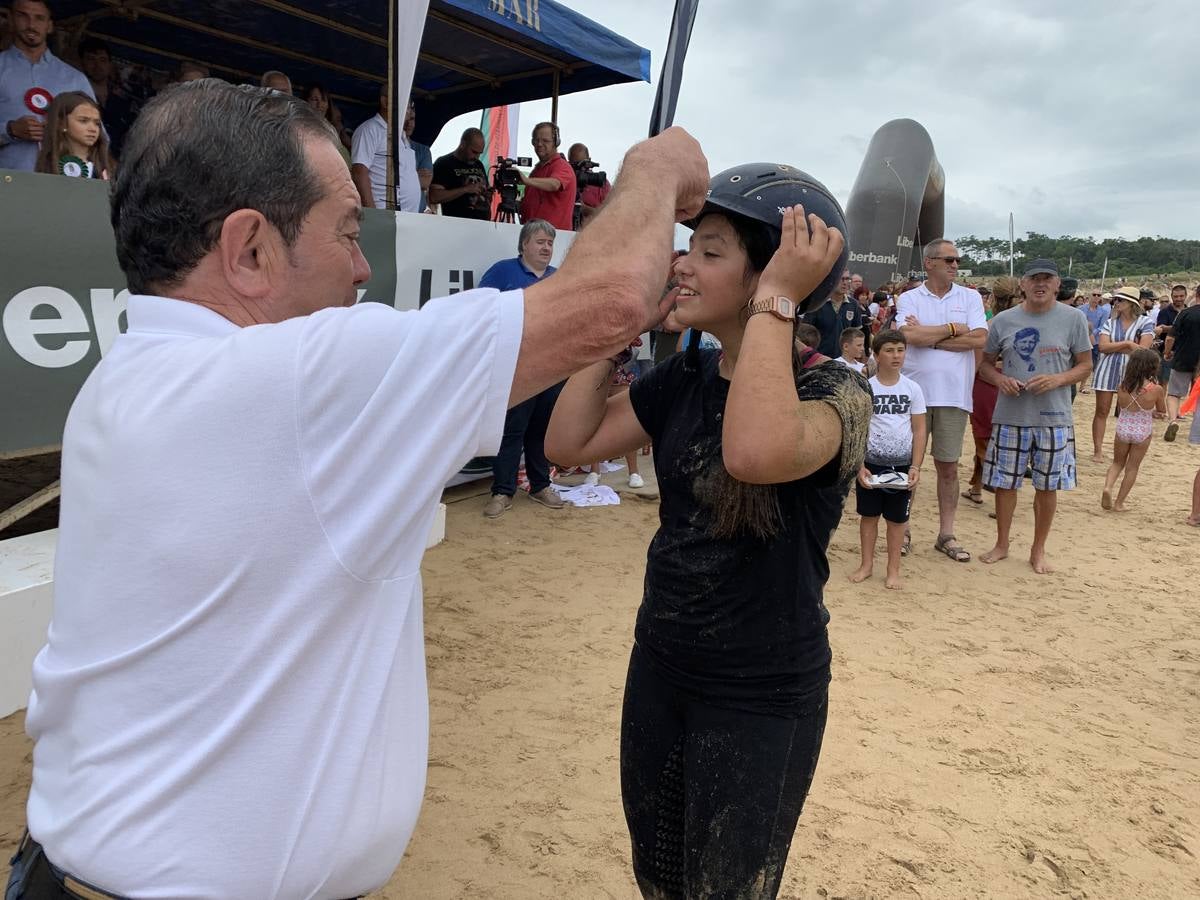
point(593, 186)
point(460, 180)
point(550, 187)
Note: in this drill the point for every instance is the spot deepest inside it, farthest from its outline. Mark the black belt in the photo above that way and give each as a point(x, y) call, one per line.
point(34, 877)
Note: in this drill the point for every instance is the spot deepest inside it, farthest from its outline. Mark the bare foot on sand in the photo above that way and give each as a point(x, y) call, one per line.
point(862, 573)
point(1193, 521)
point(893, 582)
point(1106, 499)
point(1096, 457)
point(994, 555)
point(1118, 506)
point(1037, 562)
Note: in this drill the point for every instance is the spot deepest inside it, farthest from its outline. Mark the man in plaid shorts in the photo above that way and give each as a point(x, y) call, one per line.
point(1034, 353)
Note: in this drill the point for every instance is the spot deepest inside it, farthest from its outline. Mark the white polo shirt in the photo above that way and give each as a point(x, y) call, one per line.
point(232, 699)
point(369, 147)
point(946, 377)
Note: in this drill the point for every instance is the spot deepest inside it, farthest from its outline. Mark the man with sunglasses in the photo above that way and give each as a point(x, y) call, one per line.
point(835, 315)
point(946, 328)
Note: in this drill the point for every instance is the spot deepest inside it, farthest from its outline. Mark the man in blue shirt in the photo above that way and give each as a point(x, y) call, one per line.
point(1097, 313)
point(30, 77)
point(423, 155)
point(834, 316)
point(525, 424)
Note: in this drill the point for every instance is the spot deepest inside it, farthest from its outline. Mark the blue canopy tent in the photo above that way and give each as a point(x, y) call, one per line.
point(474, 53)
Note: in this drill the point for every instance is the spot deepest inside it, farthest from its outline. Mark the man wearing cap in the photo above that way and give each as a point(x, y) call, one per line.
point(1034, 353)
point(945, 325)
point(1182, 353)
point(30, 77)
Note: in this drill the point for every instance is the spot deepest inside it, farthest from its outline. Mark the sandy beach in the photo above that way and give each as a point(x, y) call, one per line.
point(992, 733)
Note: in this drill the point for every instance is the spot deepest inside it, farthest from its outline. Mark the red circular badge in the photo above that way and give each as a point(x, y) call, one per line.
point(38, 100)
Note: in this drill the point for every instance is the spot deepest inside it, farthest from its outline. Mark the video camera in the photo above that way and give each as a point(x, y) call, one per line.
point(585, 177)
point(504, 182)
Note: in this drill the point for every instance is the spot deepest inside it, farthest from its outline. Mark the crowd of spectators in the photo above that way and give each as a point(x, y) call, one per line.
point(966, 367)
point(32, 77)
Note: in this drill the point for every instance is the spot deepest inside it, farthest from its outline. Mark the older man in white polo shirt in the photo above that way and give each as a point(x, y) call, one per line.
point(232, 698)
point(946, 329)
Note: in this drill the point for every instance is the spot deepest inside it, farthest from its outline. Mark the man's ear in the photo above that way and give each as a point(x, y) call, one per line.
point(250, 251)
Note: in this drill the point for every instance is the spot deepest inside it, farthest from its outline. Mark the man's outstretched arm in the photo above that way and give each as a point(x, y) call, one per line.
point(609, 289)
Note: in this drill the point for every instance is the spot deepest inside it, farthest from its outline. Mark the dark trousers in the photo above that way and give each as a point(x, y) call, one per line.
point(33, 877)
point(711, 795)
point(525, 429)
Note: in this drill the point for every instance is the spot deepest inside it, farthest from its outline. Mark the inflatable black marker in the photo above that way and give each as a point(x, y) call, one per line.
point(897, 204)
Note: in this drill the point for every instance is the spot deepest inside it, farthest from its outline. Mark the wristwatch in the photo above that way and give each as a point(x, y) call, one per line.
point(779, 306)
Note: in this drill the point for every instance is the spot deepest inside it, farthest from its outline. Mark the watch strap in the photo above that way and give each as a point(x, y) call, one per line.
point(779, 306)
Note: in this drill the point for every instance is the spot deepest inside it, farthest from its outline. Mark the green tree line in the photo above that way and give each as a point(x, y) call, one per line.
point(1086, 255)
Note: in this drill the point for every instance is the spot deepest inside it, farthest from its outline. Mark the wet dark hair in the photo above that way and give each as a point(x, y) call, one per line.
point(891, 336)
point(1142, 367)
point(738, 507)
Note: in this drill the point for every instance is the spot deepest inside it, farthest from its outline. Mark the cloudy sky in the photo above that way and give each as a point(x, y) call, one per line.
point(1079, 118)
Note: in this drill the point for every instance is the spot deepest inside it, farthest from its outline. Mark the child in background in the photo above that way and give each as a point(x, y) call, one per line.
point(895, 446)
point(1139, 397)
point(853, 343)
point(623, 376)
point(74, 144)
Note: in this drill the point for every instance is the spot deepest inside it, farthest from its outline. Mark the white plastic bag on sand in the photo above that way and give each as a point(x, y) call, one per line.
point(588, 495)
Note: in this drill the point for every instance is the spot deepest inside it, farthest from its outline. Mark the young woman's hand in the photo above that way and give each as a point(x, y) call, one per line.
point(914, 475)
point(864, 478)
point(808, 248)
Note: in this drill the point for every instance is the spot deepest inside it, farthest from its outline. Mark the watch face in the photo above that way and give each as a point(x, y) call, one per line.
point(786, 307)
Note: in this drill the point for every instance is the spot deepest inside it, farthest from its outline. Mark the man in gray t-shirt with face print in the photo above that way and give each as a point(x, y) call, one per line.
point(1034, 353)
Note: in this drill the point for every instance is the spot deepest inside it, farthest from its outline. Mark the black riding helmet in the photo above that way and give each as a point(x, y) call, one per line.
point(760, 190)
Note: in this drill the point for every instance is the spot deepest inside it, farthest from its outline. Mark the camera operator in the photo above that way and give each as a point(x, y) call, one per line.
point(550, 187)
point(591, 193)
point(460, 180)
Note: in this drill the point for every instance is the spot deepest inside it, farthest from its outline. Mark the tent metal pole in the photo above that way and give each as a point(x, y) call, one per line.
point(554, 99)
point(393, 120)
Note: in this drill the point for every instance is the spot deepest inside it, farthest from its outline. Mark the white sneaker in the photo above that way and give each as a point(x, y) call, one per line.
point(636, 480)
point(593, 479)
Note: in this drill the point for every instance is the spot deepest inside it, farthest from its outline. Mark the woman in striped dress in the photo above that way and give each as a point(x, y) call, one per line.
point(1125, 331)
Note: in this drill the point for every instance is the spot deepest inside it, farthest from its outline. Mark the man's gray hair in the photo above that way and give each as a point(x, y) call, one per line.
point(198, 152)
point(931, 249)
point(532, 227)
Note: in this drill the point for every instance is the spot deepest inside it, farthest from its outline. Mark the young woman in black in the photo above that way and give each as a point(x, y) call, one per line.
point(754, 447)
